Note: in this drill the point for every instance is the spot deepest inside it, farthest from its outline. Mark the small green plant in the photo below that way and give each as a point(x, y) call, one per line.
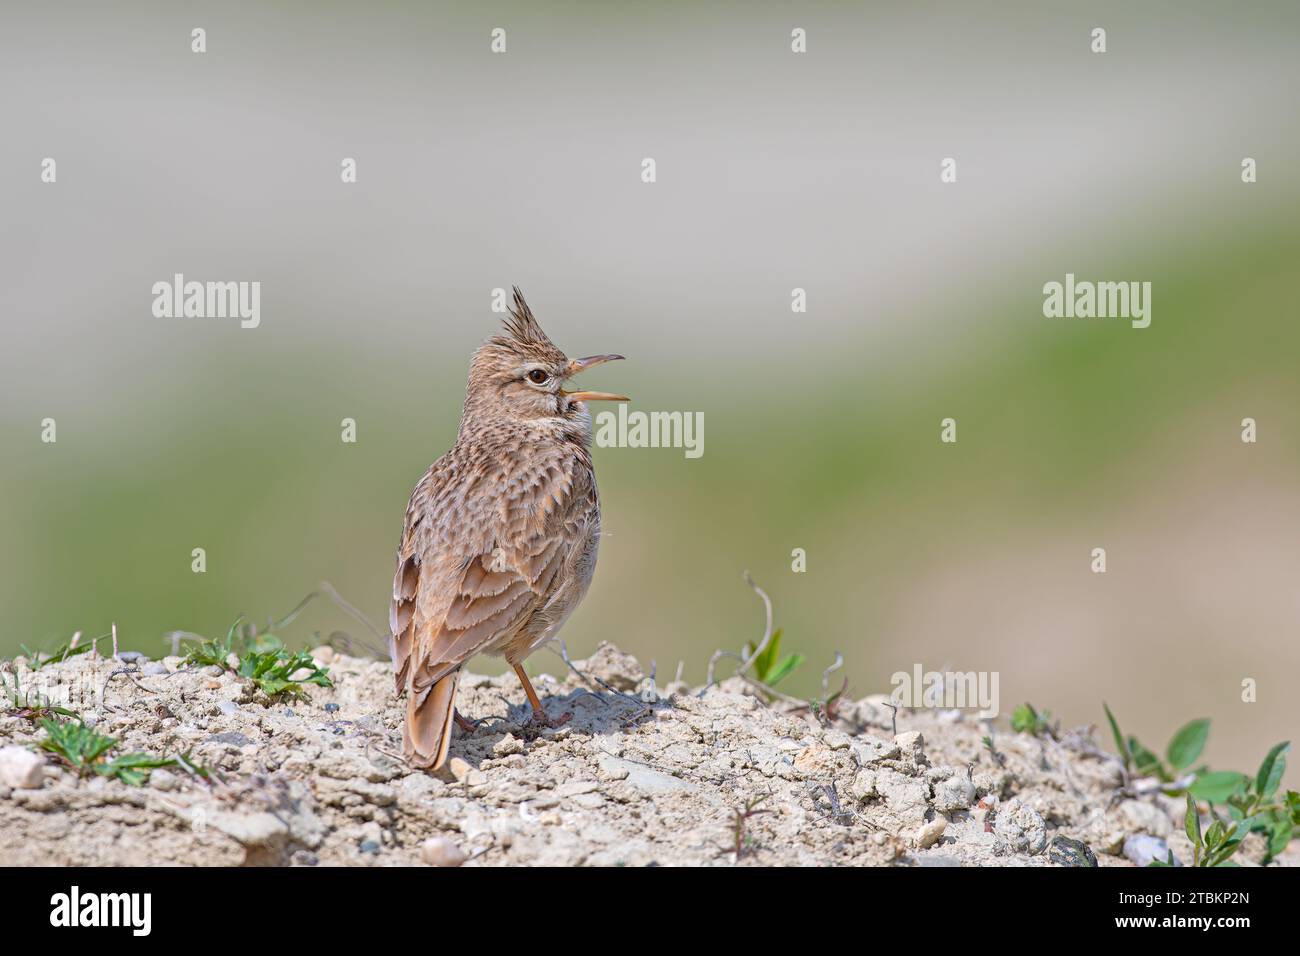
point(770, 667)
point(273, 672)
point(998, 759)
point(36, 660)
point(85, 751)
point(1251, 802)
point(28, 705)
point(1026, 720)
point(1182, 751)
point(1257, 808)
point(242, 638)
point(261, 658)
point(1215, 845)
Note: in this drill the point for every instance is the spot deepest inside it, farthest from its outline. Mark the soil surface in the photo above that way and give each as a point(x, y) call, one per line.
point(640, 774)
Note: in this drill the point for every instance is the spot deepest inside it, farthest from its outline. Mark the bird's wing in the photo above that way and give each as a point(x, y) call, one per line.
point(477, 559)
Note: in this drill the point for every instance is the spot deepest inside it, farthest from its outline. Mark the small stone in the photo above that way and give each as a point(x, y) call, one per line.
point(906, 798)
point(1142, 849)
point(227, 707)
point(1067, 852)
point(912, 744)
point(331, 708)
point(164, 779)
point(928, 835)
point(616, 668)
point(459, 768)
point(154, 669)
point(869, 750)
point(814, 760)
point(369, 846)
point(864, 784)
point(475, 778)
point(1138, 816)
point(233, 738)
point(837, 740)
point(440, 851)
point(509, 744)
point(20, 768)
point(1021, 827)
point(216, 670)
point(323, 655)
point(955, 793)
point(131, 657)
point(232, 661)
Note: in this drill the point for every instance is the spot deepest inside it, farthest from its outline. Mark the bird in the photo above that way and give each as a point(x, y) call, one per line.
point(500, 537)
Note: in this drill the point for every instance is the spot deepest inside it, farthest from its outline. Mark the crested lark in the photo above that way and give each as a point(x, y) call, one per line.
point(501, 532)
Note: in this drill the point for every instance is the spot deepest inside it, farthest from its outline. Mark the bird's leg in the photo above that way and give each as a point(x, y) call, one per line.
point(464, 723)
point(539, 713)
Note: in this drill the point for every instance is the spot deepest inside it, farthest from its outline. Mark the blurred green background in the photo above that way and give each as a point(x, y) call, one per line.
point(775, 171)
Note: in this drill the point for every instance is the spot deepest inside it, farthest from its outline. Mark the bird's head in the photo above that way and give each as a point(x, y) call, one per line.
point(520, 374)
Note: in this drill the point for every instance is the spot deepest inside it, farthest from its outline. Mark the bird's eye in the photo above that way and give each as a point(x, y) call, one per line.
point(538, 377)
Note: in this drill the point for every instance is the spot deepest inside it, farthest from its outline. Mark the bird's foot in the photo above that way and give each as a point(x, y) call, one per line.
point(539, 721)
point(464, 723)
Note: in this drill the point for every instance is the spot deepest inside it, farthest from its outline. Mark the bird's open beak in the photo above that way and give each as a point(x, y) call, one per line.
point(581, 365)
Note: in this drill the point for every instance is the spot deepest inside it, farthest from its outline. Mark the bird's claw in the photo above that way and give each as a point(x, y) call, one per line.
point(540, 721)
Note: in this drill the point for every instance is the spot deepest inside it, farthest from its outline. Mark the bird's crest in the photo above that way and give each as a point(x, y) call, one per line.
point(522, 327)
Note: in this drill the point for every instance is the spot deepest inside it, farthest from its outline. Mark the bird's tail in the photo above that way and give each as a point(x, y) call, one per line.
point(427, 733)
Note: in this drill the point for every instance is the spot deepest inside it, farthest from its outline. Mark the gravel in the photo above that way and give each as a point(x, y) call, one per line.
point(320, 781)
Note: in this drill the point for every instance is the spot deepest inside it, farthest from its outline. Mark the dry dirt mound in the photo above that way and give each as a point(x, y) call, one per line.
point(640, 775)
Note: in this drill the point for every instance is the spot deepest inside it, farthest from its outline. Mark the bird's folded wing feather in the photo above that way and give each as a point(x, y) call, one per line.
point(462, 589)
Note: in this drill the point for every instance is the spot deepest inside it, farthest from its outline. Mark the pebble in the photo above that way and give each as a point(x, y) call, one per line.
point(233, 738)
point(1142, 848)
point(912, 744)
point(928, 835)
point(837, 740)
point(20, 768)
point(369, 846)
point(1138, 816)
point(331, 708)
point(227, 707)
point(154, 668)
point(1067, 852)
point(459, 768)
point(509, 744)
point(164, 779)
point(871, 750)
point(1021, 827)
point(955, 793)
point(440, 851)
point(128, 657)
